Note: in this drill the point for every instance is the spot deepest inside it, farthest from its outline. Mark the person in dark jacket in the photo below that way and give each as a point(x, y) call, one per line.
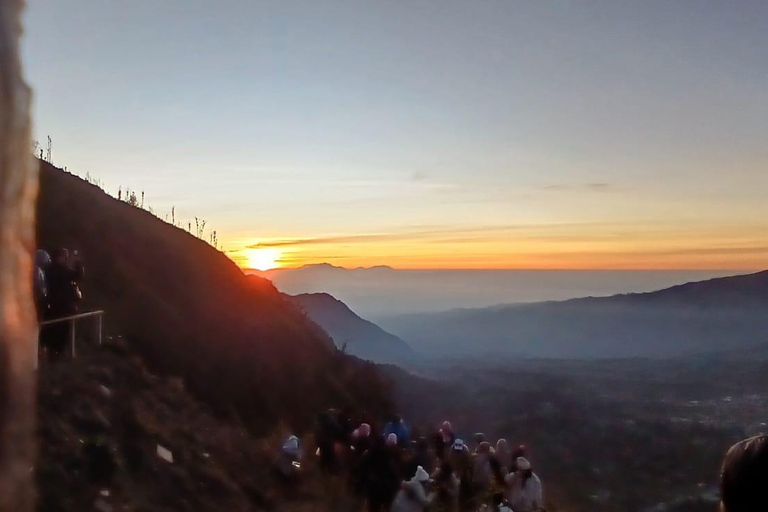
point(380, 476)
point(744, 477)
point(63, 278)
point(420, 456)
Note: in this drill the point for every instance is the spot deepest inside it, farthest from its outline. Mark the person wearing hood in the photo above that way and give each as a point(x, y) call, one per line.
point(524, 490)
point(503, 455)
point(444, 439)
point(413, 495)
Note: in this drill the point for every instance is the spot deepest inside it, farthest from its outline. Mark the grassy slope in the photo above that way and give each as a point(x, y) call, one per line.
point(191, 312)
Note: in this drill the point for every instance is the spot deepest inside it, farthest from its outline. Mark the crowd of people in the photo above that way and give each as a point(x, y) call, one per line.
point(394, 469)
point(56, 284)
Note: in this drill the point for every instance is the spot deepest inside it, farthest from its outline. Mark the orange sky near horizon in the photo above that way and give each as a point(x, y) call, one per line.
point(574, 246)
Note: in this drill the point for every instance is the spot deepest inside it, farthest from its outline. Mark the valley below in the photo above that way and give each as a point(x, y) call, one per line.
point(621, 435)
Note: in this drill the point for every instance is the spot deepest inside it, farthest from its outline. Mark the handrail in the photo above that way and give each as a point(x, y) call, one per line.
point(72, 317)
point(72, 320)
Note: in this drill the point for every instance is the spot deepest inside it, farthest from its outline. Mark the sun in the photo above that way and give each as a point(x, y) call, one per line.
point(263, 259)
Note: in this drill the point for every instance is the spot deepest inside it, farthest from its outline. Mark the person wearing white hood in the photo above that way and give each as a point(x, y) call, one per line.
point(524, 492)
point(413, 495)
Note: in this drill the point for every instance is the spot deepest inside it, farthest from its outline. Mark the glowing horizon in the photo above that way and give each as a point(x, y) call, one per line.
point(546, 247)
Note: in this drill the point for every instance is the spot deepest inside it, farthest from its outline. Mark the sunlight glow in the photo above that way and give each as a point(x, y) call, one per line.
point(263, 259)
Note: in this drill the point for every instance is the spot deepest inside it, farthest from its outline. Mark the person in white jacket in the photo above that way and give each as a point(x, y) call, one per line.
point(413, 495)
point(524, 491)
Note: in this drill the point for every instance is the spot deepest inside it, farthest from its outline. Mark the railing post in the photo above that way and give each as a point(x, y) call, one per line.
point(99, 322)
point(72, 337)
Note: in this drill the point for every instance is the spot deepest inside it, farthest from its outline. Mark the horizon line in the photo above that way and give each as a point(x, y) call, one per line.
point(527, 269)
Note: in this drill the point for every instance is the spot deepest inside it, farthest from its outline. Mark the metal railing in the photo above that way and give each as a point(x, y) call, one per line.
point(72, 320)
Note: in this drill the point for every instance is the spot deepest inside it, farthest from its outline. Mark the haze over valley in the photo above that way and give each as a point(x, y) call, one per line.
point(381, 292)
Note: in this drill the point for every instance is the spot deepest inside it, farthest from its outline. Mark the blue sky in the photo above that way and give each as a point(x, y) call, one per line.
point(628, 128)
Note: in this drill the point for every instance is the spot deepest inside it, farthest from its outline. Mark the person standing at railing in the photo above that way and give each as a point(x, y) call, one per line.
point(63, 278)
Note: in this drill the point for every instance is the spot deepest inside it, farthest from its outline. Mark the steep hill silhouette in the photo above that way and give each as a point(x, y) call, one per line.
point(358, 336)
point(191, 312)
point(710, 316)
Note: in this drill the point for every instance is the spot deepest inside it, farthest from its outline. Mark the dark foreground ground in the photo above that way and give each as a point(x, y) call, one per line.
point(101, 419)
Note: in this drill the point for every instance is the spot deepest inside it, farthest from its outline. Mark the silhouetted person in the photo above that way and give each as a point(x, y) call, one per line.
point(446, 488)
point(380, 476)
point(64, 295)
point(328, 432)
point(63, 278)
point(744, 478)
point(444, 439)
point(420, 456)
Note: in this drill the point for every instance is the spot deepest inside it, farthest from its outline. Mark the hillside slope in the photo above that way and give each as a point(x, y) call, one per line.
point(191, 312)
point(710, 316)
point(358, 336)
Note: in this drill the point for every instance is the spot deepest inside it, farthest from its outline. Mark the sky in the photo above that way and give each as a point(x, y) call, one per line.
point(422, 134)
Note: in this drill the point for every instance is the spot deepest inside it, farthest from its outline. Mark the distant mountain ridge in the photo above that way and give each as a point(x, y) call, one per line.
point(359, 337)
point(720, 314)
point(380, 292)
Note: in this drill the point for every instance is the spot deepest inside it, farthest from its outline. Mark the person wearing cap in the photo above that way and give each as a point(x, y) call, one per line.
point(524, 491)
point(461, 460)
point(744, 476)
point(413, 495)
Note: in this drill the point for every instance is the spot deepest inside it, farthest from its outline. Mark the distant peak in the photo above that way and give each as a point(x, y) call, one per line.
point(336, 267)
point(320, 265)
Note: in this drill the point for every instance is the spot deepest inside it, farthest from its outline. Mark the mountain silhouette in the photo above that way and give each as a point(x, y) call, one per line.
point(356, 335)
point(717, 315)
point(190, 311)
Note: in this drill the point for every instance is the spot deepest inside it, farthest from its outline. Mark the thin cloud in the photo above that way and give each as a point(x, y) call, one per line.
point(589, 187)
